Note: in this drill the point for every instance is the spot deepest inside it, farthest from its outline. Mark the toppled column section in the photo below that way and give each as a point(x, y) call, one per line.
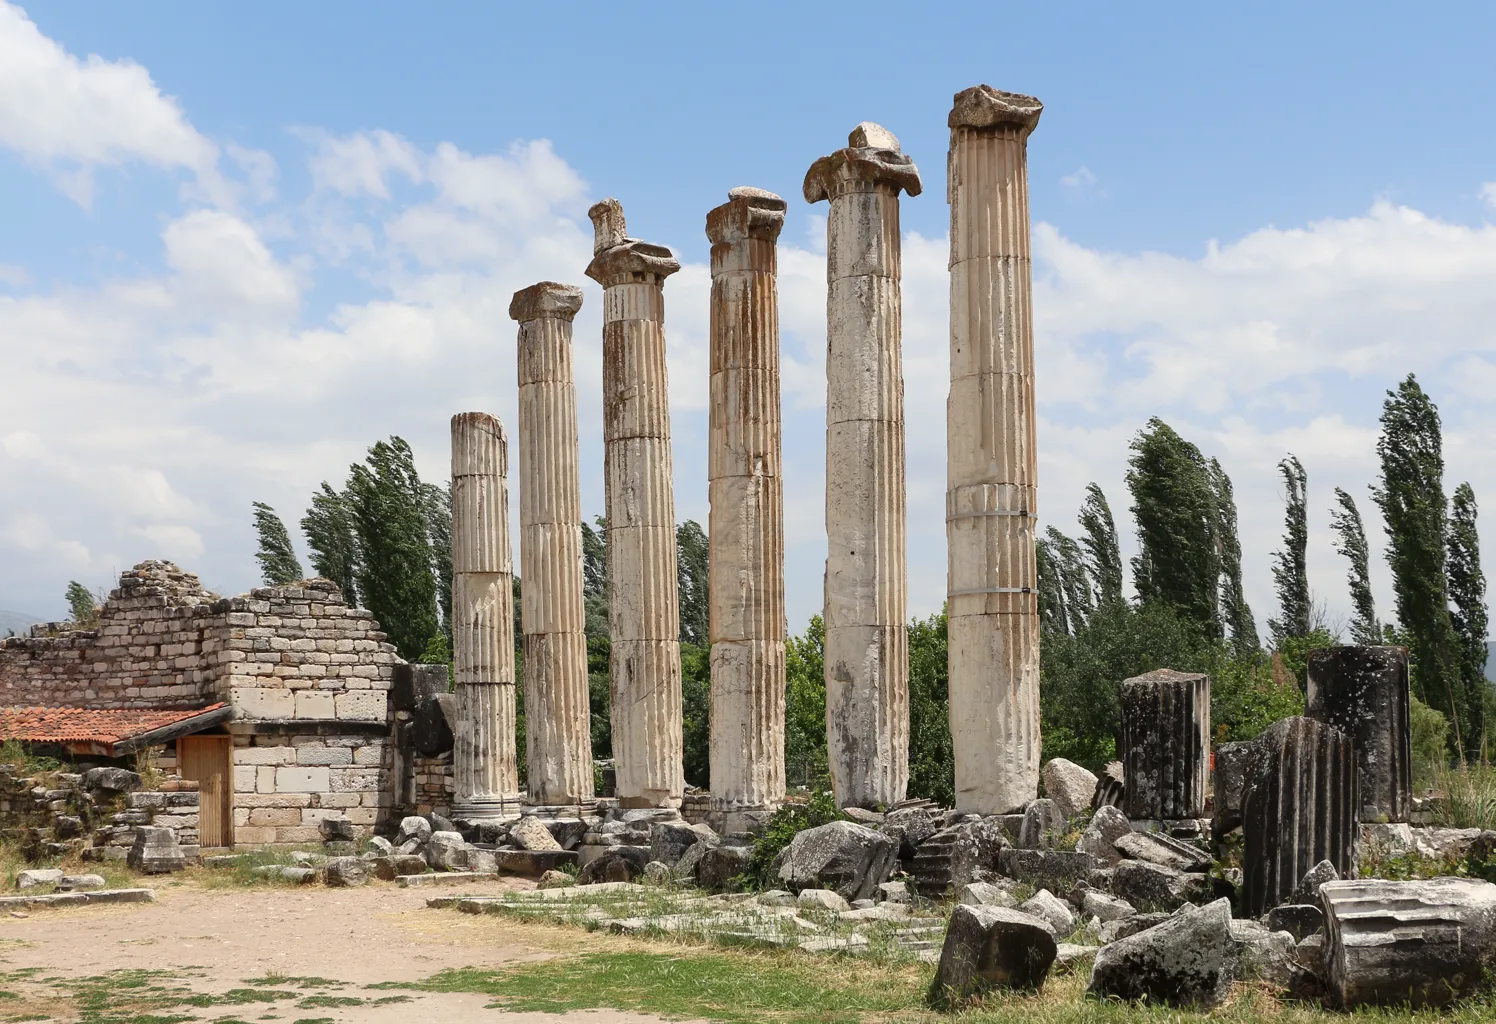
point(1166, 744)
point(644, 610)
point(1363, 692)
point(1299, 807)
point(746, 489)
point(992, 456)
point(558, 746)
point(484, 763)
point(866, 649)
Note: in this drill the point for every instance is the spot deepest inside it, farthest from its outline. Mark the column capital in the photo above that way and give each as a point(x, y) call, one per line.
point(872, 155)
point(982, 106)
point(546, 299)
point(617, 258)
point(748, 213)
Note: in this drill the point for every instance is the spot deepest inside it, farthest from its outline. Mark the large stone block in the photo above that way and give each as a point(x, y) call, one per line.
point(1363, 692)
point(1166, 744)
point(302, 780)
point(1188, 960)
point(991, 947)
point(847, 858)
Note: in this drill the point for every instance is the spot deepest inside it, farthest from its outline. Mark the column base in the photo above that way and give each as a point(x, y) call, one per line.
point(489, 809)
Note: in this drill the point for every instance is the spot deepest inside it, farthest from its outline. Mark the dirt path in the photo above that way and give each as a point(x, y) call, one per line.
point(359, 937)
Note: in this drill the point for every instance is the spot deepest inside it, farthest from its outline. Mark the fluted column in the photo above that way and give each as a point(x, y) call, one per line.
point(644, 612)
point(484, 763)
point(1363, 692)
point(747, 505)
point(558, 745)
point(991, 456)
point(867, 649)
point(1166, 744)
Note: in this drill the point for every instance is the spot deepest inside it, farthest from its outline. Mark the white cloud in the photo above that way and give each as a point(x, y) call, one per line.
point(360, 164)
point(71, 115)
point(1488, 193)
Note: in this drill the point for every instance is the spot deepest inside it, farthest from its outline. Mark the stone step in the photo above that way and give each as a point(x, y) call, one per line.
point(444, 878)
point(78, 899)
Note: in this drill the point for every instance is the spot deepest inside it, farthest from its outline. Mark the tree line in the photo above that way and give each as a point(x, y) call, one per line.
point(385, 538)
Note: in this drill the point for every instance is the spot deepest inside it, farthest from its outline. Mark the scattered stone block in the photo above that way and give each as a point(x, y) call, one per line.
point(1230, 778)
point(991, 947)
point(345, 872)
point(444, 878)
point(380, 846)
point(35, 878)
point(863, 816)
point(986, 894)
point(822, 899)
point(1157, 848)
point(1308, 887)
point(1099, 840)
point(1043, 823)
point(1152, 886)
point(1055, 870)
point(111, 780)
point(530, 833)
point(894, 892)
point(1069, 785)
point(556, 880)
point(851, 859)
point(1049, 908)
point(80, 883)
point(1104, 908)
point(566, 831)
point(669, 840)
point(619, 864)
point(1070, 957)
point(657, 873)
point(155, 851)
point(414, 828)
point(337, 830)
point(1420, 944)
point(1111, 787)
point(536, 862)
point(1300, 920)
point(1121, 928)
point(1188, 961)
point(909, 827)
point(447, 851)
point(721, 864)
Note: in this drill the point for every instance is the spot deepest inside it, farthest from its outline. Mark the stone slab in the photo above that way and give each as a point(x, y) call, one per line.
point(445, 878)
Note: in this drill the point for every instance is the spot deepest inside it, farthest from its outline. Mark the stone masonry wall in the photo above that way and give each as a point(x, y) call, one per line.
point(285, 784)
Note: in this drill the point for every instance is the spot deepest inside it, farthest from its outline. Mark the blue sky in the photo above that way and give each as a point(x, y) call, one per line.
point(238, 244)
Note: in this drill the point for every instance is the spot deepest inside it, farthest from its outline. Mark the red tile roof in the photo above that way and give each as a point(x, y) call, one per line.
point(88, 725)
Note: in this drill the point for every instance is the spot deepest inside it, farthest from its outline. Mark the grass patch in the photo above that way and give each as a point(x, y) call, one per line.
point(242, 875)
point(320, 1002)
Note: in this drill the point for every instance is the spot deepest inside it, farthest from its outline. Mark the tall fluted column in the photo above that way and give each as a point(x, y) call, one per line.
point(558, 745)
point(644, 612)
point(747, 505)
point(991, 457)
point(484, 762)
point(867, 648)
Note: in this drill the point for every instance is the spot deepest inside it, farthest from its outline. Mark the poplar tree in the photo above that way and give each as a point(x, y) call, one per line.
point(81, 604)
point(1234, 608)
point(1176, 509)
point(1411, 497)
point(1290, 566)
point(1103, 555)
point(692, 574)
point(328, 528)
point(278, 563)
point(438, 507)
point(1052, 618)
point(388, 507)
point(1345, 521)
point(1073, 579)
point(1467, 592)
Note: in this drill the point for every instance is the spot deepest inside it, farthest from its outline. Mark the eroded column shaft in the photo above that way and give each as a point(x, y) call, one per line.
point(747, 506)
point(484, 762)
point(991, 457)
point(644, 614)
point(558, 745)
point(866, 650)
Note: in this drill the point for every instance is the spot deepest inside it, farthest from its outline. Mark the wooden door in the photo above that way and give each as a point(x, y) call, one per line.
point(210, 760)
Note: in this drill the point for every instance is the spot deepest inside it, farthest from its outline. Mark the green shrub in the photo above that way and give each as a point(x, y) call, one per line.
point(1430, 731)
point(781, 828)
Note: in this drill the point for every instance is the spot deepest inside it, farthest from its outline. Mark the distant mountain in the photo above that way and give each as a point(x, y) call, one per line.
point(19, 622)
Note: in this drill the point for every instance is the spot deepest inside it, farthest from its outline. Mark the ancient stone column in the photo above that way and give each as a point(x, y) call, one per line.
point(747, 506)
point(558, 745)
point(867, 649)
point(991, 456)
point(1166, 744)
point(484, 764)
point(1363, 691)
point(644, 613)
point(1299, 807)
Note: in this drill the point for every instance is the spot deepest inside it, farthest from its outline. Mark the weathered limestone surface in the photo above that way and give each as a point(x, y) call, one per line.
point(644, 613)
point(1419, 943)
point(558, 746)
point(866, 648)
point(1299, 807)
point(1166, 744)
point(1363, 692)
point(991, 456)
point(484, 757)
point(746, 490)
